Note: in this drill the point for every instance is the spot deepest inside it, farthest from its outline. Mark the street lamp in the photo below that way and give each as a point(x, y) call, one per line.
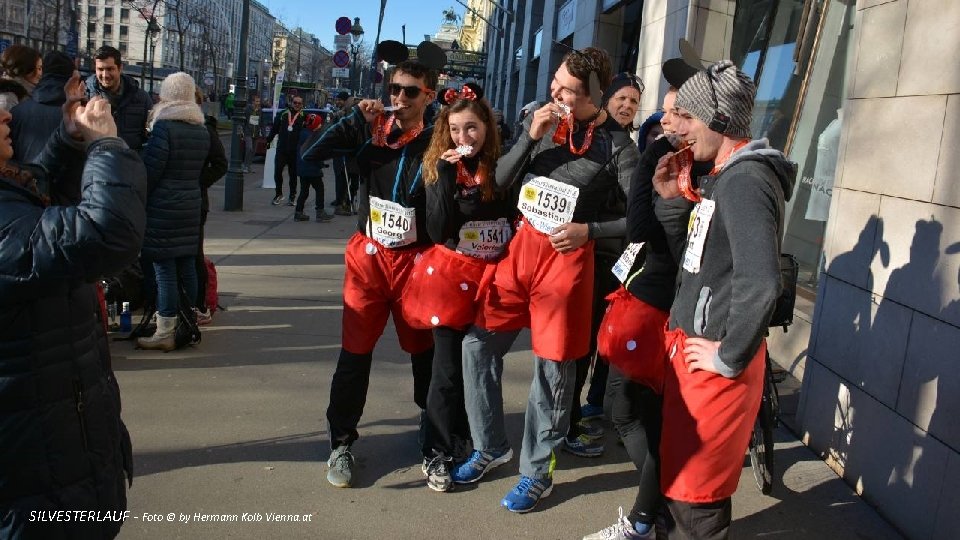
point(153, 30)
point(356, 33)
point(233, 189)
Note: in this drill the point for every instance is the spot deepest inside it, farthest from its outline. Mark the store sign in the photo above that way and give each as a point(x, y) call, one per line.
point(566, 19)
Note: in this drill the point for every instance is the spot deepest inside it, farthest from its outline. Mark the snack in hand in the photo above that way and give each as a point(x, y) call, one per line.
point(464, 150)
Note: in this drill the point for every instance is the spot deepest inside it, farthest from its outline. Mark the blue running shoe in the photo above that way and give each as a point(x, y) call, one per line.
point(478, 464)
point(583, 446)
point(527, 494)
point(592, 430)
point(591, 411)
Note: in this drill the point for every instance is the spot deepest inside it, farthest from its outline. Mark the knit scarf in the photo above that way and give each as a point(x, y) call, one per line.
point(185, 111)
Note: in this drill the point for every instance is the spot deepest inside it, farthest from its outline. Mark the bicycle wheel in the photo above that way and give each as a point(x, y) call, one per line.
point(761, 446)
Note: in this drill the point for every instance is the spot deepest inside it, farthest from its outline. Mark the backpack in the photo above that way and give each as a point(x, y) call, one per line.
point(211, 297)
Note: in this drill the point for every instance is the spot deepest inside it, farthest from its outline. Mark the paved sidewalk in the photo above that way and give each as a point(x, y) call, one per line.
point(236, 425)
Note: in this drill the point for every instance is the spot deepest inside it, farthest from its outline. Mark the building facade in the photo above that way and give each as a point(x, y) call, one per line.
point(42, 24)
point(868, 106)
point(527, 39)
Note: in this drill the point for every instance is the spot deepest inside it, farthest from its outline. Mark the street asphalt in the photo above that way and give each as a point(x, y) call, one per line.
point(230, 436)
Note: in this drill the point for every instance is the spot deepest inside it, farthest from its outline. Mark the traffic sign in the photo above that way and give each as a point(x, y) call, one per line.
point(341, 43)
point(208, 78)
point(341, 59)
point(341, 72)
point(343, 25)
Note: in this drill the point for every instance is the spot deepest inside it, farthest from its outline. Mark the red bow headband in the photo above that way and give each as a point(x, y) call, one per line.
point(466, 92)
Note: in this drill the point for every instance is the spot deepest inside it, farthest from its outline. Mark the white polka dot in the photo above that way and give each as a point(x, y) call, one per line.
point(417, 258)
point(429, 270)
point(631, 345)
point(464, 287)
point(371, 249)
point(434, 320)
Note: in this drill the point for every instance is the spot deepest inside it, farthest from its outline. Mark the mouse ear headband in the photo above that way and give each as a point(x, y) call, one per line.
point(470, 91)
point(429, 54)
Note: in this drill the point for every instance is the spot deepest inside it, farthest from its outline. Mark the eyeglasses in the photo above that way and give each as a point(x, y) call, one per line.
point(411, 92)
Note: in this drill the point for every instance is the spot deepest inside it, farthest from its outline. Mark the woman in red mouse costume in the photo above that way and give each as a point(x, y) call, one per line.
point(470, 223)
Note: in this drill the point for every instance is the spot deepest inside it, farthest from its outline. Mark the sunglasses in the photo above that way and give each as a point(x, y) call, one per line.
point(411, 92)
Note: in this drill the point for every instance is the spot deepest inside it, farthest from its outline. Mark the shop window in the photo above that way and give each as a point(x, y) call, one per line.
point(797, 51)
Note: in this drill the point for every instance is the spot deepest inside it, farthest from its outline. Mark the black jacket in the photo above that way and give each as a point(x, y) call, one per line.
point(288, 142)
point(174, 156)
point(216, 165)
point(390, 174)
point(130, 109)
point(450, 205)
point(654, 281)
point(64, 446)
point(34, 121)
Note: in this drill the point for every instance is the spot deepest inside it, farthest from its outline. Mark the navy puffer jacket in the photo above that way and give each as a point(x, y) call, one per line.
point(130, 108)
point(64, 446)
point(174, 155)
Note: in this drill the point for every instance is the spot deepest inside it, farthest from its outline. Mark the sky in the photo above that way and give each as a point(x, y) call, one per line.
point(318, 17)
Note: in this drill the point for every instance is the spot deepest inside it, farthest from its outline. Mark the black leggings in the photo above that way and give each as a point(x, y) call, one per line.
point(446, 414)
point(636, 413)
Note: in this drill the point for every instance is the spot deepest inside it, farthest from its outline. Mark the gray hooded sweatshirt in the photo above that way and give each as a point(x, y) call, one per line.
point(732, 297)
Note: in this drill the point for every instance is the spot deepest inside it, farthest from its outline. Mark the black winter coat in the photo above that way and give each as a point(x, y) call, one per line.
point(34, 121)
point(64, 446)
point(174, 155)
point(130, 109)
point(216, 164)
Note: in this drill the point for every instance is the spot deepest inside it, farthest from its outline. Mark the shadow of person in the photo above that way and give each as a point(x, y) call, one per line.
point(901, 364)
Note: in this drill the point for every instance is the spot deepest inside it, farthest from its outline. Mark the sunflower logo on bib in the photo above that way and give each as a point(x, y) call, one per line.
point(471, 235)
point(375, 216)
point(529, 193)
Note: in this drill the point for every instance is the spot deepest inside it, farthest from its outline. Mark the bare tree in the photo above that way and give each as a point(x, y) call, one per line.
point(184, 15)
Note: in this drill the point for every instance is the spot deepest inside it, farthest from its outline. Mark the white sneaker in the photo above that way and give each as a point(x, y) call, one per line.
point(621, 530)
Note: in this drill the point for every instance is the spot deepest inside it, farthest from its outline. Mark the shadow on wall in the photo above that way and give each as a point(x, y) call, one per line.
point(878, 403)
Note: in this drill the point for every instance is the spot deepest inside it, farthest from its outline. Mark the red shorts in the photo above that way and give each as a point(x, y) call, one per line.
point(539, 288)
point(443, 289)
point(372, 285)
point(631, 338)
point(707, 421)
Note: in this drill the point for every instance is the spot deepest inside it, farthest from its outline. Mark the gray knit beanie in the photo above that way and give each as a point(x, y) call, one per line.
point(178, 87)
point(735, 92)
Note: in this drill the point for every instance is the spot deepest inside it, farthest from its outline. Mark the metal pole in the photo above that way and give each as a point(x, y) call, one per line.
point(233, 188)
point(354, 88)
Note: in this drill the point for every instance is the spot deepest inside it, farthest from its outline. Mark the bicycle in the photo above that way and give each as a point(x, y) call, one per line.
point(768, 417)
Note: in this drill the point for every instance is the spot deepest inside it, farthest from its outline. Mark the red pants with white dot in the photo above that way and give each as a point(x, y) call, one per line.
point(373, 289)
point(631, 338)
point(537, 287)
point(443, 289)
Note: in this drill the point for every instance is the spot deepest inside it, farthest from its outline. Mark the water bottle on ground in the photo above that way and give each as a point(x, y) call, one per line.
point(126, 318)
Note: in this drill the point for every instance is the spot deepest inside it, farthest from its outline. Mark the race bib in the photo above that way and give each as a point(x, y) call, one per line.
point(546, 204)
point(622, 267)
point(697, 235)
point(484, 239)
point(391, 224)
point(254, 120)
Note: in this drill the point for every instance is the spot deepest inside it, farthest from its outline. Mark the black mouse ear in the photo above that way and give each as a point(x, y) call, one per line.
point(477, 89)
point(431, 55)
point(596, 92)
point(393, 52)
